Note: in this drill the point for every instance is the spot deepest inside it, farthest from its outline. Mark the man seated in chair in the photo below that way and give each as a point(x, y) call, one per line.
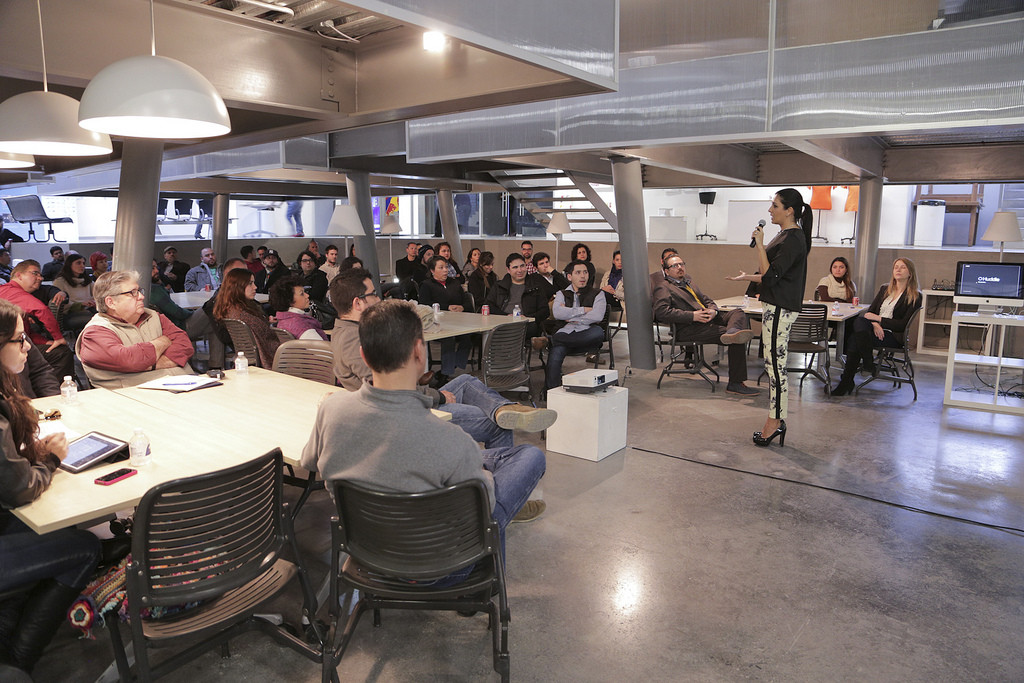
point(384, 436)
point(529, 292)
point(126, 344)
point(676, 299)
point(580, 308)
point(482, 413)
point(40, 323)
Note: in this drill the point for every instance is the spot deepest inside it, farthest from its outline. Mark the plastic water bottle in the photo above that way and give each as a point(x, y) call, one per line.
point(517, 311)
point(241, 364)
point(437, 313)
point(835, 308)
point(69, 390)
point(746, 301)
point(138, 449)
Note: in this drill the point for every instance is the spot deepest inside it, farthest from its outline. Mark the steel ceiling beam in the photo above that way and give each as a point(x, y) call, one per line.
point(729, 164)
point(860, 156)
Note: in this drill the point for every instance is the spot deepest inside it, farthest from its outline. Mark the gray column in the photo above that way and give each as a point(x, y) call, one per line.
point(865, 250)
point(219, 228)
point(629, 206)
point(138, 198)
point(358, 184)
point(450, 225)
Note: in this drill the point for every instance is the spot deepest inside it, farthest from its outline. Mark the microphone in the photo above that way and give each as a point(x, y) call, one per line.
point(753, 242)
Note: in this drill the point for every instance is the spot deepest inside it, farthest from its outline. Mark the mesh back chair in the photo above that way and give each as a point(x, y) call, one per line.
point(809, 336)
point(29, 209)
point(215, 538)
point(242, 339)
point(394, 539)
point(306, 358)
point(688, 360)
point(893, 364)
point(504, 358)
point(283, 335)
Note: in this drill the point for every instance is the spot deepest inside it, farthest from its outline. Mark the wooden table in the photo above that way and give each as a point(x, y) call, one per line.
point(454, 324)
point(193, 300)
point(754, 310)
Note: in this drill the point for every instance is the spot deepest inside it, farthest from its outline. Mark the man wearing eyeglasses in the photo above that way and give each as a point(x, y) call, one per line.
point(125, 344)
point(678, 300)
point(26, 277)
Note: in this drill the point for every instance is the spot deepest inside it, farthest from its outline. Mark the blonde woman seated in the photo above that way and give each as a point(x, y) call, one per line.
point(837, 285)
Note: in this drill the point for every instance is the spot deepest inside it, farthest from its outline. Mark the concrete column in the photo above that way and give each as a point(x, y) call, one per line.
point(138, 198)
point(219, 228)
point(629, 207)
point(865, 250)
point(358, 184)
point(450, 225)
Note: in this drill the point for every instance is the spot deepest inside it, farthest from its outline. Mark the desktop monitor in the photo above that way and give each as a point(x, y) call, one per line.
point(988, 283)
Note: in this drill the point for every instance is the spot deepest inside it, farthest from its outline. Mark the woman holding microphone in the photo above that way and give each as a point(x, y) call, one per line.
point(781, 279)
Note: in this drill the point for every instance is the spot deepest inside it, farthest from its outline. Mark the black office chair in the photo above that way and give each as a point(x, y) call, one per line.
point(809, 337)
point(504, 360)
point(893, 364)
point(397, 543)
point(688, 360)
point(29, 209)
point(217, 539)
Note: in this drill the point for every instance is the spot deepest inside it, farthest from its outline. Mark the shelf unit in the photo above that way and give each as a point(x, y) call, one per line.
point(942, 301)
point(999, 324)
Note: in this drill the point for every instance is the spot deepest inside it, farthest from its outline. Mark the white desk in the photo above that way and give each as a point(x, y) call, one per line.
point(193, 300)
point(755, 310)
point(455, 324)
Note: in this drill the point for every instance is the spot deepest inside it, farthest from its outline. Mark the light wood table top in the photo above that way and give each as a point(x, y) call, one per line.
point(846, 311)
point(454, 324)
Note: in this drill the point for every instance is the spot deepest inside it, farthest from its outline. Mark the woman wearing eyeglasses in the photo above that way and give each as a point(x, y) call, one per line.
point(55, 566)
point(237, 299)
point(125, 343)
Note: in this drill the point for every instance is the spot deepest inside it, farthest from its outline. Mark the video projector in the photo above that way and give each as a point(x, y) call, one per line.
point(590, 381)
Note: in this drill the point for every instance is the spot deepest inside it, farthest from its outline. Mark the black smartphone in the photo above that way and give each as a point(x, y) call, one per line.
point(115, 476)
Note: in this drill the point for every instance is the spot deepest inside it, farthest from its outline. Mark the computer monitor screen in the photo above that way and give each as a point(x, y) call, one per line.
point(1001, 284)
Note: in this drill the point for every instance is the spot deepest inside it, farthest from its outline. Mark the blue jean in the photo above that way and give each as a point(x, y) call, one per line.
point(68, 556)
point(562, 343)
point(474, 411)
point(294, 216)
point(455, 353)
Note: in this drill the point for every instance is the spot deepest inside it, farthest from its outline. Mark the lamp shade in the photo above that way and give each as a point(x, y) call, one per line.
point(8, 160)
point(46, 123)
point(558, 225)
point(1005, 227)
point(153, 97)
point(389, 226)
point(345, 222)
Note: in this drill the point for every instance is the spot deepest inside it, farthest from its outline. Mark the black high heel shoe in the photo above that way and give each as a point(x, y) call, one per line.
point(780, 432)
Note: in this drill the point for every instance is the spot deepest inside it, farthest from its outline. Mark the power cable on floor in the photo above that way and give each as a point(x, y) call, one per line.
point(909, 508)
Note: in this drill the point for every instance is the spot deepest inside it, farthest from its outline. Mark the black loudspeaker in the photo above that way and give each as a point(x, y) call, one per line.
point(707, 198)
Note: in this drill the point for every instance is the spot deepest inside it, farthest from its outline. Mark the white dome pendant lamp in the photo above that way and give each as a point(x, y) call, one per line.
point(153, 97)
point(46, 123)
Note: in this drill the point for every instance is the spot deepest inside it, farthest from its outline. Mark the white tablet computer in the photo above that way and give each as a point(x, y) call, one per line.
point(90, 449)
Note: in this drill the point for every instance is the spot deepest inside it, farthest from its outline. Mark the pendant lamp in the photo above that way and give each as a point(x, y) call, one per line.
point(46, 123)
point(153, 97)
point(8, 160)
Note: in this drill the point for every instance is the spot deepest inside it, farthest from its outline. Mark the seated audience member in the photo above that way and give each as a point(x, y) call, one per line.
point(472, 261)
point(529, 292)
point(438, 289)
point(581, 309)
point(546, 269)
point(484, 414)
point(444, 250)
point(173, 271)
point(272, 270)
point(76, 283)
point(290, 300)
point(887, 317)
point(38, 379)
point(696, 318)
point(581, 252)
point(837, 285)
point(482, 278)
point(99, 262)
point(205, 276)
point(59, 563)
point(611, 283)
point(526, 249)
point(42, 325)
point(384, 435)
point(160, 300)
point(261, 252)
point(349, 263)
point(237, 299)
point(659, 275)
point(314, 249)
point(125, 344)
point(406, 267)
point(52, 269)
point(311, 277)
point(253, 263)
point(330, 265)
point(5, 266)
point(421, 271)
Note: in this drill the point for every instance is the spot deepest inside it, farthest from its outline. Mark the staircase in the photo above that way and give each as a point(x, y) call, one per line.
point(545, 192)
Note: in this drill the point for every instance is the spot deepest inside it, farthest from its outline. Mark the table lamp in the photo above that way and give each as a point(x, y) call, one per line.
point(1005, 227)
point(389, 226)
point(346, 223)
point(558, 225)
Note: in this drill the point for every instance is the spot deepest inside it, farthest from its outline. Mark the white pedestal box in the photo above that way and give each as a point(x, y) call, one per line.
point(589, 426)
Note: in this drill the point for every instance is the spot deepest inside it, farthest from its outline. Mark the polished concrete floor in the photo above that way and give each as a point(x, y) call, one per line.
point(881, 543)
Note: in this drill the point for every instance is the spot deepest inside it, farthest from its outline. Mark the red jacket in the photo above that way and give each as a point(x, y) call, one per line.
point(35, 309)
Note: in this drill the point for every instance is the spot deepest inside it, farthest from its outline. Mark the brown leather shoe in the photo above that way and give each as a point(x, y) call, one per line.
point(425, 378)
point(539, 343)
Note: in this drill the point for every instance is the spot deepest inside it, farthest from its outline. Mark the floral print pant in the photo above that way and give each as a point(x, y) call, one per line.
point(775, 326)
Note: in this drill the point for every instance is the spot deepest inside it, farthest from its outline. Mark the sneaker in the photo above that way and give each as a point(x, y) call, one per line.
point(593, 358)
point(737, 337)
point(524, 418)
point(741, 389)
point(531, 511)
point(539, 343)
